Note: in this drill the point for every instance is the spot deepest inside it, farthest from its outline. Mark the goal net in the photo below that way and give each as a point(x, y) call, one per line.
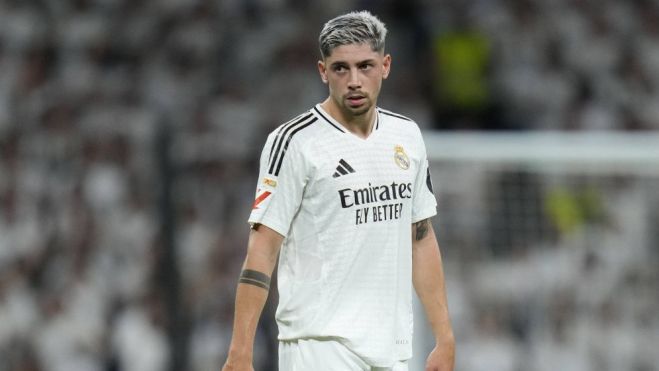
point(551, 246)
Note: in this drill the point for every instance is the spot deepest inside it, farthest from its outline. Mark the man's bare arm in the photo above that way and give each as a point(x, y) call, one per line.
point(428, 279)
point(251, 294)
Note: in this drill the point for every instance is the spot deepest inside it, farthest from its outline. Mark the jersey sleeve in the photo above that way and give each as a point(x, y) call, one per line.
point(280, 187)
point(424, 204)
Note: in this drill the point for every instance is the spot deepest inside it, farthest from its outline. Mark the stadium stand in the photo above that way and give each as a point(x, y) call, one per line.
point(88, 86)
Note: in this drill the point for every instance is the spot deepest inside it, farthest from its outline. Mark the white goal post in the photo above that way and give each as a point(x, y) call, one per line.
point(638, 150)
point(546, 230)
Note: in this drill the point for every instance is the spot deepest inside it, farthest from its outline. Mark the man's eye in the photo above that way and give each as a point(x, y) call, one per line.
point(339, 68)
point(365, 66)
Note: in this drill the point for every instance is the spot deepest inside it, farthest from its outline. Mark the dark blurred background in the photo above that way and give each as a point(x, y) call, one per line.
point(130, 132)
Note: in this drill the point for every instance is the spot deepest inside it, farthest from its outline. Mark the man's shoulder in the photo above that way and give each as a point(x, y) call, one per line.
point(397, 122)
point(294, 127)
point(303, 119)
point(394, 116)
point(296, 134)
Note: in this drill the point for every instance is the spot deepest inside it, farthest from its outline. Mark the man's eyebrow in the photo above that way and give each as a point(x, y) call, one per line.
point(339, 64)
point(343, 63)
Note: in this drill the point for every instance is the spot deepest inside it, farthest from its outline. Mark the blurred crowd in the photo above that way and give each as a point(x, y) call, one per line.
point(130, 132)
point(551, 270)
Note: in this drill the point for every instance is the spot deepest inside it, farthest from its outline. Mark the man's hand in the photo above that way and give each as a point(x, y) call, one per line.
point(442, 358)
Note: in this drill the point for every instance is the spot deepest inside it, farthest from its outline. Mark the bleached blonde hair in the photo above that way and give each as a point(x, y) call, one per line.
point(352, 28)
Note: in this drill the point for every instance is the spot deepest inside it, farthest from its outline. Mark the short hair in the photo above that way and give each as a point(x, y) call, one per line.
point(352, 28)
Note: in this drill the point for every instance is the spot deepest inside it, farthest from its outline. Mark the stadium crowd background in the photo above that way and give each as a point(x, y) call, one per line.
point(93, 91)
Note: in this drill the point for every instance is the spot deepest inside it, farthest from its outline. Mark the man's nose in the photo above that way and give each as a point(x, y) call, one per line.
point(354, 82)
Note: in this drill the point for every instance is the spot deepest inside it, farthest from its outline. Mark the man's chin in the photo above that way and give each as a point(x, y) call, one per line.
point(359, 111)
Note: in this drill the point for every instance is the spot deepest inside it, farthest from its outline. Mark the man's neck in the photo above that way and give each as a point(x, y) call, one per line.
point(360, 125)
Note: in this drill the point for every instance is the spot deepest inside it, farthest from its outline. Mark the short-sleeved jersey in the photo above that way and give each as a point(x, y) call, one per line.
point(345, 206)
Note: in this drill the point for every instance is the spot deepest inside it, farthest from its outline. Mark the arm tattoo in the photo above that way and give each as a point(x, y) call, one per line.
point(255, 278)
point(421, 229)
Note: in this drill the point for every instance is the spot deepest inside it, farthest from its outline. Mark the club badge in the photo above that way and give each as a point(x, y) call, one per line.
point(401, 159)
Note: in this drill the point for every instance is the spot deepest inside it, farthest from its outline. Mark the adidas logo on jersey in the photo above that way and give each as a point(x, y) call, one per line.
point(343, 169)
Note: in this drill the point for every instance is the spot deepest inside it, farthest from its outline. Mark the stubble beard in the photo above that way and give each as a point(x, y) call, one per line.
point(359, 111)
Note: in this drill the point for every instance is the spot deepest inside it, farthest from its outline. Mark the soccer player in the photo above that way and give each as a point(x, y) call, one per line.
point(344, 198)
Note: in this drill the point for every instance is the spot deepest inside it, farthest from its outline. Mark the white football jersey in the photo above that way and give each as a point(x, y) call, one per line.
point(345, 206)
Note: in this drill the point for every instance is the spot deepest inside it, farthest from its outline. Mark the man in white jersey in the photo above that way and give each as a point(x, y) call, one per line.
point(343, 197)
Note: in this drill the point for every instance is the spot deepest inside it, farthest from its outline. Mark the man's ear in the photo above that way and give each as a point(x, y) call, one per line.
point(386, 66)
point(322, 70)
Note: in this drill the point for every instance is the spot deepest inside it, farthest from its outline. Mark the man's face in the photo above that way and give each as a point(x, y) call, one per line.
point(354, 74)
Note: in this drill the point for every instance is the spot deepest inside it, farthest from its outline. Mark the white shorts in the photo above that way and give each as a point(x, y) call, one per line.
point(324, 355)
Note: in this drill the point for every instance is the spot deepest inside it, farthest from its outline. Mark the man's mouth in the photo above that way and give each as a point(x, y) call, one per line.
point(356, 100)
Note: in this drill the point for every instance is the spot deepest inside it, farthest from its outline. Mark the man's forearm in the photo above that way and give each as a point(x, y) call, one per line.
point(253, 289)
point(251, 296)
point(428, 279)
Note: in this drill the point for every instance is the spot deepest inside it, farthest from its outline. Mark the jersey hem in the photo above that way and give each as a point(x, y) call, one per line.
point(371, 361)
point(277, 228)
point(424, 215)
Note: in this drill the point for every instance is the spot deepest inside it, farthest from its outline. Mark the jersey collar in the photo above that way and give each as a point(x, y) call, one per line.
point(321, 113)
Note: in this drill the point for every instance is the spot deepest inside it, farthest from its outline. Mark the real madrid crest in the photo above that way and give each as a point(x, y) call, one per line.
point(400, 157)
